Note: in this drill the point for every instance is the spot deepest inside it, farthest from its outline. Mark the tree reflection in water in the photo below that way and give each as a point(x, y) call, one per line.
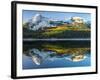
point(52, 52)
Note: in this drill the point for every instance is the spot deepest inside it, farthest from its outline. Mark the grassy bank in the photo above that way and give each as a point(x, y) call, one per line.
point(59, 32)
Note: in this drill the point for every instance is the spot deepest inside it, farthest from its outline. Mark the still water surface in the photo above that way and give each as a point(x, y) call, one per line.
point(56, 54)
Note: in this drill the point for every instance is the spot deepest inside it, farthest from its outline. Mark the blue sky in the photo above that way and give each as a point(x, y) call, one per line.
point(28, 14)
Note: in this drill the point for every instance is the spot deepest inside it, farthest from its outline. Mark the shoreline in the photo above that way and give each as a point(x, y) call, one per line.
point(53, 39)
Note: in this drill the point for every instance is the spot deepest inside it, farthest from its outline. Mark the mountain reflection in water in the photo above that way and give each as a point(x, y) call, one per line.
point(56, 54)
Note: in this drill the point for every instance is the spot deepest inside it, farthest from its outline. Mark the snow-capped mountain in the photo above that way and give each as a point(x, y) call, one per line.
point(39, 22)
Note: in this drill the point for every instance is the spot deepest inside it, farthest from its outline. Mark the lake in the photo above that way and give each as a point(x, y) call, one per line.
point(56, 54)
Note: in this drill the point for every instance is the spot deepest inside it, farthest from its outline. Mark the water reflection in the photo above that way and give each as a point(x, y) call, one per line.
point(55, 54)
